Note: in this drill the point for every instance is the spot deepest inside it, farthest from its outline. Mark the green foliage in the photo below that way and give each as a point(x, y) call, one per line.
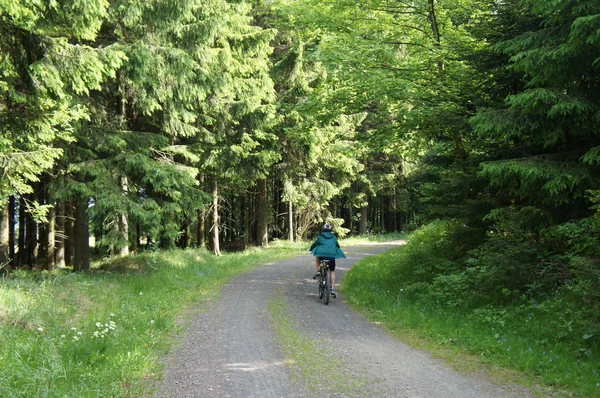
point(47, 65)
point(549, 332)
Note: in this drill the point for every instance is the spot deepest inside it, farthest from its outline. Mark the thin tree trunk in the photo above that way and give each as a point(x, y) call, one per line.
point(60, 234)
point(216, 245)
point(250, 226)
point(50, 240)
point(4, 239)
point(262, 214)
point(244, 219)
point(362, 228)
point(401, 222)
point(70, 235)
point(31, 240)
point(42, 229)
point(186, 237)
point(22, 223)
point(82, 236)
point(201, 230)
point(291, 221)
point(12, 205)
point(124, 219)
point(138, 237)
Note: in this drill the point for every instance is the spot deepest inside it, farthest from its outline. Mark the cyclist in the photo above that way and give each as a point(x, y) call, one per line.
point(326, 247)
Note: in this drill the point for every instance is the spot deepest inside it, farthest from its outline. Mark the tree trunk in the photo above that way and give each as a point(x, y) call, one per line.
point(250, 225)
point(70, 235)
point(82, 236)
point(4, 239)
point(186, 235)
point(22, 221)
point(435, 29)
point(262, 214)
point(244, 219)
point(138, 237)
point(124, 219)
point(201, 230)
point(291, 221)
point(216, 245)
point(362, 228)
point(31, 240)
point(401, 222)
point(51, 240)
point(60, 234)
point(12, 205)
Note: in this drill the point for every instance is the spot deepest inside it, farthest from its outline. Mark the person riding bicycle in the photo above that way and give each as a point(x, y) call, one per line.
point(326, 247)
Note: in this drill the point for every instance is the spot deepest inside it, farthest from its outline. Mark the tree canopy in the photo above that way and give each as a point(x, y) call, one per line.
point(155, 124)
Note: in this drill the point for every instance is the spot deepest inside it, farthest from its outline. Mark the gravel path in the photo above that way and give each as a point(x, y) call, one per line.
point(232, 351)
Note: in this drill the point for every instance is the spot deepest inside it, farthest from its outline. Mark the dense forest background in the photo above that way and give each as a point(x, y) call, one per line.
point(161, 124)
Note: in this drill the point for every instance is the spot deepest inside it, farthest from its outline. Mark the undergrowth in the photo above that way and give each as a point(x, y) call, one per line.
point(551, 339)
point(102, 333)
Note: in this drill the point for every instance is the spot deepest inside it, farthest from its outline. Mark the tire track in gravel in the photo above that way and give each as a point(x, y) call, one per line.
point(231, 350)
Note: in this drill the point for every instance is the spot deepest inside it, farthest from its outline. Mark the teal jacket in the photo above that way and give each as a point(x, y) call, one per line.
point(327, 245)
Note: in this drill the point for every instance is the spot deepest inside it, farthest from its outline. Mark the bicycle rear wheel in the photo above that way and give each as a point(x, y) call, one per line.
point(321, 290)
point(326, 287)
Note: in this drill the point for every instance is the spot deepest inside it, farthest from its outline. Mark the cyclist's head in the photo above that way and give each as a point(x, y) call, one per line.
point(327, 228)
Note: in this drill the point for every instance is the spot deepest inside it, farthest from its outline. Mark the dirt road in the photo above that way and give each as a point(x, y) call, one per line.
point(237, 348)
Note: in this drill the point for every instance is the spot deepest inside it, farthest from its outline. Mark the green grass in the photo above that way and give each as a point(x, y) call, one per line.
point(103, 333)
point(522, 341)
point(369, 238)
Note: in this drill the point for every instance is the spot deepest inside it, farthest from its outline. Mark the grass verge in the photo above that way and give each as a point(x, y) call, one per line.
point(102, 333)
point(509, 341)
point(370, 238)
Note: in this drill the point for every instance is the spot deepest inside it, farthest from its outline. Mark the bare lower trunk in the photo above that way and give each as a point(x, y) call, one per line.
point(70, 235)
point(82, 234)
point(124, 230)
point(201, 229)
point(4, 237)
point(22, 255)
point(51, 239)
point(185, 240)
point(362, 228)
point(31, 240)
point(12, 204)
point(60, 234)
point(291, 220)
point(124, 222)
point(216, 245)
point(262, 214)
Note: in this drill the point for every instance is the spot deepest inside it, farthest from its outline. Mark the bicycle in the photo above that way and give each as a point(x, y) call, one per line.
point(324, 281)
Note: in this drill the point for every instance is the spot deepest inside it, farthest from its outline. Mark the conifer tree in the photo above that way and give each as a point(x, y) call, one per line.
point(46, 68)
point(546, 130)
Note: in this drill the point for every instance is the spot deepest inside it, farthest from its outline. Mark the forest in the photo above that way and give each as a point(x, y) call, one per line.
point(149, 125)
